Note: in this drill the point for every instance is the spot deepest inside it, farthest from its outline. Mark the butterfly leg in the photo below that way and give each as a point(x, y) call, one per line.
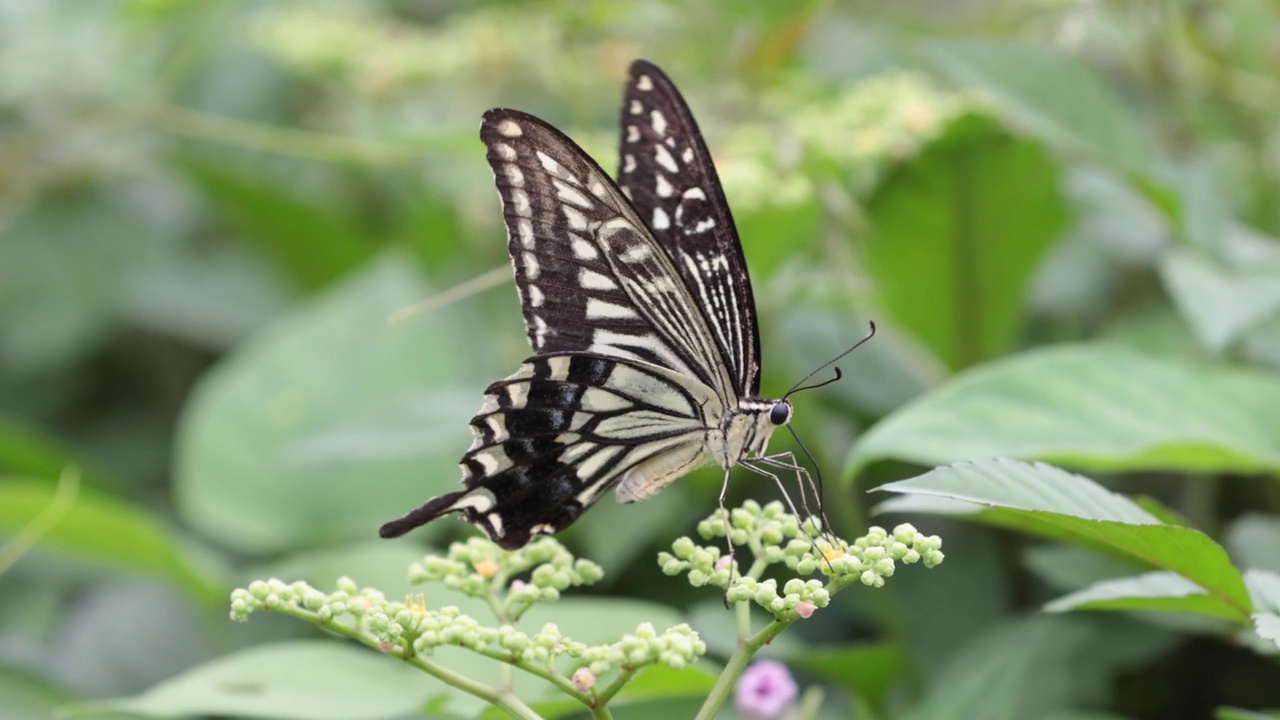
point(724, 514)
point(787, 461)
point(775, 461)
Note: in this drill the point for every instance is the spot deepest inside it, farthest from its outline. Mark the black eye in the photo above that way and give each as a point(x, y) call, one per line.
point(780, 413)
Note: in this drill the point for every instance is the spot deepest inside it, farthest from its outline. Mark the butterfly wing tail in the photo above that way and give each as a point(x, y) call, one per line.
point(469, 499)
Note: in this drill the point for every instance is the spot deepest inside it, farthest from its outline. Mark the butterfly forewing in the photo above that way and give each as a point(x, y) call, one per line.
point(591, 276)
point(666, 171)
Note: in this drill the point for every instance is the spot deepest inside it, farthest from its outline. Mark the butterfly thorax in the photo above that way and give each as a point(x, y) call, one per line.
point(745, 431)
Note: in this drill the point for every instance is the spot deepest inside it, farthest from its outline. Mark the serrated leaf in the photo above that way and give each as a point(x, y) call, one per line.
point(328, 422)
point(106, 531)
point(1049, 93)
point(1093, 406)
point(1048, 501)
point(1155, 591)
point(958, 232)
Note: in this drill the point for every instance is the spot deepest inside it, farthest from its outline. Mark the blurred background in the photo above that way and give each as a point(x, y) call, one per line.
point(210, 210)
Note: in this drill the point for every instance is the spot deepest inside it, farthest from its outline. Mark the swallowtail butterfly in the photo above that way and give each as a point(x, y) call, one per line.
point(638, 307)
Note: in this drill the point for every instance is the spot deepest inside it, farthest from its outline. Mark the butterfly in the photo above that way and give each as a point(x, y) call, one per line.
point(638, 307)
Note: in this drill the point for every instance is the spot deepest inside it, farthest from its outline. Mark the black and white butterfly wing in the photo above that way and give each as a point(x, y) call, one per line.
point(627, 372)
point(591, 276)
point(556, 435)
point(666, 171)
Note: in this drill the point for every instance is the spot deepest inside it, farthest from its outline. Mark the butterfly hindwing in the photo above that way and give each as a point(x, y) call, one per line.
point(563, 429)
point(666, 171)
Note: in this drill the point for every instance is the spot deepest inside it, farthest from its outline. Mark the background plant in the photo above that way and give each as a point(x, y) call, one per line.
point(1062, 216)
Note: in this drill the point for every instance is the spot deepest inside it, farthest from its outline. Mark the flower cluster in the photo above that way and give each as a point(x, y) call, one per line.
point(383, 57)
point(775, 537)
point(480, 569)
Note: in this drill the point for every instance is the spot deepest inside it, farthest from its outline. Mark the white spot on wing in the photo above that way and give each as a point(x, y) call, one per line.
point(479, 500)
point(659, 122)
point(514, 176)
point(644, 82)
point(520, 200)
point(660, 219)
point(539, 337)
point(628, 162)
point(599, 309)
point(504, 151)
point(687, 155)
point(582, 248)
point(531, 268)
point(558, 368)
point(510, 128)
point(593, 280)
point(568, 194)
point(524, 229)
point(694, 193)
point(495, 522)
point(664, 187)
point(576, 219)
point(664, 158)
point(635, 254)
point(636, 108)
point(536, 297)
point(633, 133)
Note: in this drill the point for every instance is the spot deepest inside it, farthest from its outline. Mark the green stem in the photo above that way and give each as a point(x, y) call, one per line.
point(747, 647)
point(64, 498)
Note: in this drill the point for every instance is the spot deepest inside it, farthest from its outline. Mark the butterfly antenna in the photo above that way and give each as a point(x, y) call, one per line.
point(797, 387)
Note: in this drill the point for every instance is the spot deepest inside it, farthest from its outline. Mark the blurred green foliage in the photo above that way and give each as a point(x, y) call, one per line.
point(1062, 215)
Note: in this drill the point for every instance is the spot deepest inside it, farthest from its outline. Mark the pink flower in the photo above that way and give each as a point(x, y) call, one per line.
point(805, 608)
point(765, 691)
point(584, 679)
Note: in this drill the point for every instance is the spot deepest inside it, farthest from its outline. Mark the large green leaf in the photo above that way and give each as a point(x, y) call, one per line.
point(312, 241)
point(1044, 500)
point(302, 680)
point(958, 232)
point(328, 422)
point(1054, 95)
point(1092, 406)
point(105, 531)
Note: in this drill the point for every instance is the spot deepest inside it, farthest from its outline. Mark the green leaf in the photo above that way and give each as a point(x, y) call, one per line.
point(105, 531)
point(1091, 406)
point(1155, 591)
point(1229, 713)
point(312, 241)
point(1053, 95)
point(1219, 305)
point(329, 422)
point(1044, 500)
point(305, 679)
point(25, 450)
point(28, 696)
point(958, 232)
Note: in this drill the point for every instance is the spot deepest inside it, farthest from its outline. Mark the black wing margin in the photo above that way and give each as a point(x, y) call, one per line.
point(666, 171)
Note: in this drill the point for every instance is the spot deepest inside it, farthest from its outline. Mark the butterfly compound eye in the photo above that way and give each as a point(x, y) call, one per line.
point(780, 413)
